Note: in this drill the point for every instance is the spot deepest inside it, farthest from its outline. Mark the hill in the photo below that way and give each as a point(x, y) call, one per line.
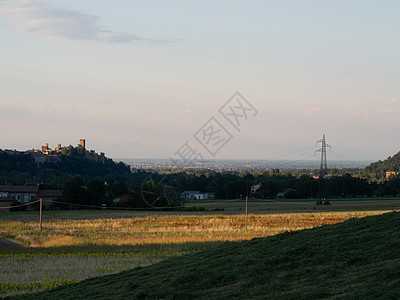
point(357, 259)
point(24, 167)
point(377, 170)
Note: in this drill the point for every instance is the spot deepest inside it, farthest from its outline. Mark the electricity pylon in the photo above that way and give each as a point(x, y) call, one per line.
point(323, 171)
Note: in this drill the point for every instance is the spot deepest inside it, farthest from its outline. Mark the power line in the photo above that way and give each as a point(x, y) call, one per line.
point(21, 205)
point(345, 159)
point(296, 161)
point(323, 171)
point(290, 153)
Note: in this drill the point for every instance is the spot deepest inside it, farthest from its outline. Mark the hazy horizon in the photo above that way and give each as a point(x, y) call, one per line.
point(140, 79)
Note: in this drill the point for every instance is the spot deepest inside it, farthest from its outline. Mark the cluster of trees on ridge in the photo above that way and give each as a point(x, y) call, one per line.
point(377, 171)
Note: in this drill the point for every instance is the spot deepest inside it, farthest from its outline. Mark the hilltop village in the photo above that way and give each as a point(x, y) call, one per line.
point(74, 174)
point(48, 155)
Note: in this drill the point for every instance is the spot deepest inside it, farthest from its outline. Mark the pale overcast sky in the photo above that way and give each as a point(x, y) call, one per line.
point(138, 79)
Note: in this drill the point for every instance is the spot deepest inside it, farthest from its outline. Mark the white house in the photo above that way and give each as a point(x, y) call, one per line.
point(194, 195)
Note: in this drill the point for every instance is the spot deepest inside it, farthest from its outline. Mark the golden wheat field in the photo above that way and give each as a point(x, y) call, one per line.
point(167, 229)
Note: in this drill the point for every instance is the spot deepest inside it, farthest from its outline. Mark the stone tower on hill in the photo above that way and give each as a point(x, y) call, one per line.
point(82, 143)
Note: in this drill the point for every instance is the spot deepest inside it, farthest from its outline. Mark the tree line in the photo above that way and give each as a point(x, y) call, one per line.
point(87, 182)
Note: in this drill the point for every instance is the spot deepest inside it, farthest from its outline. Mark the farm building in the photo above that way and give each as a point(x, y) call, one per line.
point(194, 195)
point(121, 199)
point(48, 196)
point(26, 193)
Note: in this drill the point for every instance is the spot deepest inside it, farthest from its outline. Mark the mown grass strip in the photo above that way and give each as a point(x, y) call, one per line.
point(30, 270)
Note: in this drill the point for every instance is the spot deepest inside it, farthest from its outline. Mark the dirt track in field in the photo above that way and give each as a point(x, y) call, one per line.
point(8, 243)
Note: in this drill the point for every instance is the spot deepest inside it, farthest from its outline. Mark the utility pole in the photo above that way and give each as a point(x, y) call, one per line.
point(247, 199)
point(40, 209)
point(323, 171)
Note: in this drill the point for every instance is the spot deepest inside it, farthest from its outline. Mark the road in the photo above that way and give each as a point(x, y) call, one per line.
point(8, 244)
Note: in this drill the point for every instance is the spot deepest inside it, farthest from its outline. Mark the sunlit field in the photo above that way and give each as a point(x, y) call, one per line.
point(164, 229)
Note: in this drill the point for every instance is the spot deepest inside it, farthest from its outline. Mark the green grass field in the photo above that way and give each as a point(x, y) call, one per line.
point(357, 259)
point(290, 206)
point(28, 270)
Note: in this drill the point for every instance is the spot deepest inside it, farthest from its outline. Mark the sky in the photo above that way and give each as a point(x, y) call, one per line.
point(139, 79)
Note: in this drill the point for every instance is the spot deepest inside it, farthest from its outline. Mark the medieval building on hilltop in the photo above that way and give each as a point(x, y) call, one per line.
point(48, 155)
